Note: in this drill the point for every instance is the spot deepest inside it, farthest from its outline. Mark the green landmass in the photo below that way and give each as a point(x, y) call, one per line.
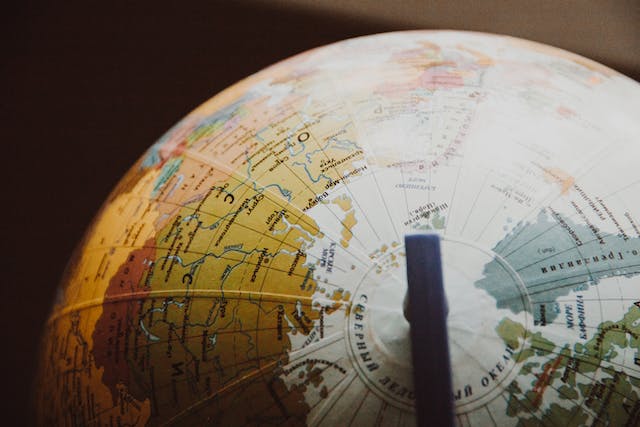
point(567, 374)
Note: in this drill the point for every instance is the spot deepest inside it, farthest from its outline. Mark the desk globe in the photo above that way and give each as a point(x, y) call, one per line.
point(250, 268)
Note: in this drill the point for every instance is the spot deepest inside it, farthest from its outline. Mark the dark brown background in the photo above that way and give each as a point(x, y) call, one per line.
point(87, 87)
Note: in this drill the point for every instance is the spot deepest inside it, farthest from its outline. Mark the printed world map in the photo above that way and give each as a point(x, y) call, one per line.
point(250, 268)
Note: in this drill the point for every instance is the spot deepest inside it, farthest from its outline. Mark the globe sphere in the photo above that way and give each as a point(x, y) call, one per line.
point(250, 268)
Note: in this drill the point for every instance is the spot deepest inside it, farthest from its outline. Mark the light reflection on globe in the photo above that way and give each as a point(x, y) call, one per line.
point(250, 268)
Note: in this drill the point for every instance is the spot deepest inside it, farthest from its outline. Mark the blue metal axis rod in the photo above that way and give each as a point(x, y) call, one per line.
point(427, 312)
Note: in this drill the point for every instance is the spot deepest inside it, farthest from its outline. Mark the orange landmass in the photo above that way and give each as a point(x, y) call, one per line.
point(560, 177)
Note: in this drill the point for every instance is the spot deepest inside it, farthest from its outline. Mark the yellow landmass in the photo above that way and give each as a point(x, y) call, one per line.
point(298, 151)
point(123, 224)
point(348, 223)
point(349, 220)
point(230, 285)
point(343, 201)
point(385, 259)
